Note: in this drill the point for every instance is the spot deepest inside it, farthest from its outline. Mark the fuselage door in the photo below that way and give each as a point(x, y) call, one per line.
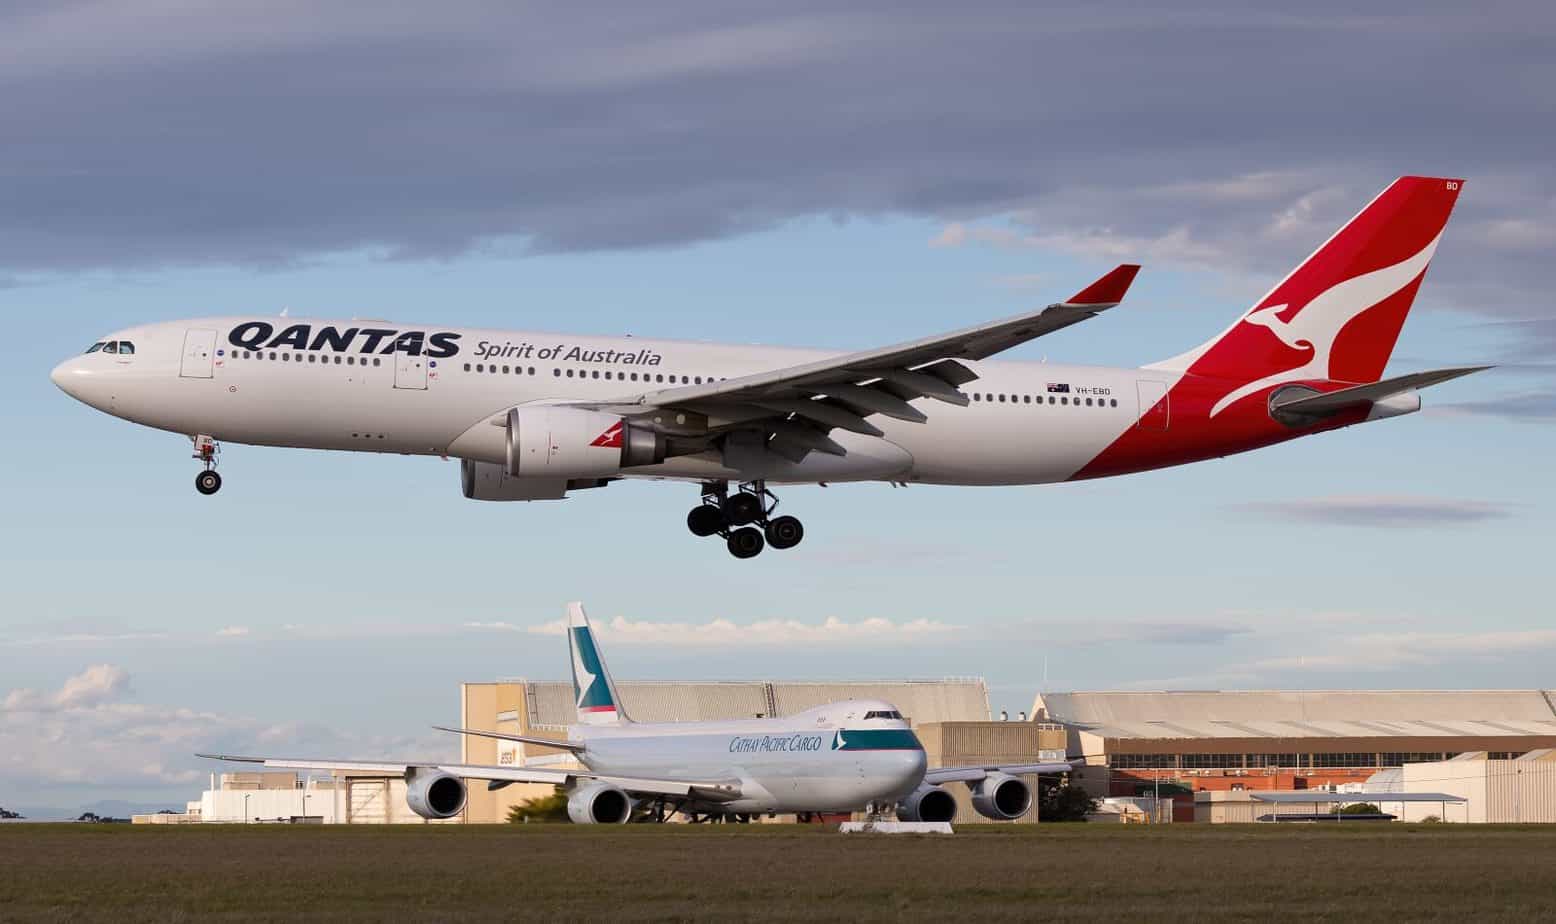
point(199, 354)
point(1154, 410)
point(410, 371)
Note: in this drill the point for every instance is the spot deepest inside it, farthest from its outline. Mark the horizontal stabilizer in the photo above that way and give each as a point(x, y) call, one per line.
point(1333, 402)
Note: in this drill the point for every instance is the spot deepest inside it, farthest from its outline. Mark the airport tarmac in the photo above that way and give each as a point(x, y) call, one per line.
point(772, 872)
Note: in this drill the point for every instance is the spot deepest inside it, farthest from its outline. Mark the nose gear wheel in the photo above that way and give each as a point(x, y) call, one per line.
point(206, 449)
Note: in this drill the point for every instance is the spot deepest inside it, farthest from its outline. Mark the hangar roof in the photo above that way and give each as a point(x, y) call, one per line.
point(1304, 713)
point(959, 700)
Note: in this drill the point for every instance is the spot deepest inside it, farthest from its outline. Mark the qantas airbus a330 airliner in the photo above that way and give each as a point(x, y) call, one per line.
point(533, 416)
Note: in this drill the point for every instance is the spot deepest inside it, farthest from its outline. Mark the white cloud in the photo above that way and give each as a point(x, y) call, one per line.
point(96, 684)
point(1382, 651)
point(233, 632)
point(775, 632)
point(86, 735)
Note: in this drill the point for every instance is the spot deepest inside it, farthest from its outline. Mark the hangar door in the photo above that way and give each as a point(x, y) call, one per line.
point(199, 352)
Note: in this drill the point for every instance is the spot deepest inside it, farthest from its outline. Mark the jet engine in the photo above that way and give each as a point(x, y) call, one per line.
point(599, 804)
point(927, 803)
point(571, 443)
point(1001, 797)
point(434, 794)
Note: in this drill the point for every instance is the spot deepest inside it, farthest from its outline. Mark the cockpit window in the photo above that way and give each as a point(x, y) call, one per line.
point(883, 714)
point(126, 348)
point(111, 346)
point(95, 347)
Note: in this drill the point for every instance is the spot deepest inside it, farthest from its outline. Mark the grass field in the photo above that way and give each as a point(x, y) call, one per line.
point(676, 872)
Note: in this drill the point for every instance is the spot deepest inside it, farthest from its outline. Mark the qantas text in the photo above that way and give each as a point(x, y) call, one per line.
point(256, 335)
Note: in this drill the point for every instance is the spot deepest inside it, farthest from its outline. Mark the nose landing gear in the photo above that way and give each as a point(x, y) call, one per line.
point(206, 449)
point(744, 519)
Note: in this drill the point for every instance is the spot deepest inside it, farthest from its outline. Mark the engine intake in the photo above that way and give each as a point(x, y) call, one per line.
point(434, 794)
point(1001, 797)
point(599, 804)
point(927, 803)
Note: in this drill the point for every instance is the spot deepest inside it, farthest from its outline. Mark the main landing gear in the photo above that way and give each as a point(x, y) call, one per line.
point(744, 519)
point(206, 450)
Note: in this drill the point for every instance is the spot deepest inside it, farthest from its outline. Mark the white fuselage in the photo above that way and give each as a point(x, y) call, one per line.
point(360, 398)
point(826, 759)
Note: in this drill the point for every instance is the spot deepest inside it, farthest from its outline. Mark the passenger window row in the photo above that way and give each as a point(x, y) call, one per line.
point(288, 356)
point(1052, 399)
point(608, 374)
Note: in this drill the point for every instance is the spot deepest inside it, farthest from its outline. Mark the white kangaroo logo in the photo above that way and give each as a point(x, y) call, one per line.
point(1320, 321)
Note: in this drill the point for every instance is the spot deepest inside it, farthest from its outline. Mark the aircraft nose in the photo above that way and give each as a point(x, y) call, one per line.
point(61, 376)
point(71, 379)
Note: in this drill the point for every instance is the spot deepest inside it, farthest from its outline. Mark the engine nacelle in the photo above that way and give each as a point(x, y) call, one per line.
point(434, 794)
point(569, 443)
point(927, 803)
point(1001, 797)
point(599, 804)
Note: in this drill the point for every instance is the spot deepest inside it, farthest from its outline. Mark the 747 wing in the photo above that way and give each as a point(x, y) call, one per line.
point(709, 790)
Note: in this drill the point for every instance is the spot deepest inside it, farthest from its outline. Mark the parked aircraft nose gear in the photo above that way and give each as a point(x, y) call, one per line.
point(746, 542)
point(784, 532)
point(206, 450)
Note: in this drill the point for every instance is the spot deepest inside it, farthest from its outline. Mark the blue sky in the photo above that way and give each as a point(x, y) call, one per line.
point(333, 602)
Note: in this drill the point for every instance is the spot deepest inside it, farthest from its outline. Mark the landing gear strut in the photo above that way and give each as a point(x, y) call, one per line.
point(744, 519)
point(206, 450)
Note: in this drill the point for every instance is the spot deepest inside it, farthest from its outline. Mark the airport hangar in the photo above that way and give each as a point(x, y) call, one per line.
point(1209, 741)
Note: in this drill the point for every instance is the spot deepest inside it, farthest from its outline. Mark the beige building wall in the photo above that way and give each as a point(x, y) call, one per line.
point(956, 744)
point(499, 707)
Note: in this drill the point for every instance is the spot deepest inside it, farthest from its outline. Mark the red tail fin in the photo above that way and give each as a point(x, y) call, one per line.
point(1338, 314)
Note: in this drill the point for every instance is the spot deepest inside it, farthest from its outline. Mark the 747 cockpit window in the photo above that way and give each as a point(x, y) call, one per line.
point(883, 714)
point(96, 346)
point(126, 348)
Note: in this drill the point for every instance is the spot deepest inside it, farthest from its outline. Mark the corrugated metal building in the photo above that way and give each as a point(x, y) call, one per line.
point(547, 707)
point(1517, 791)
point(1269, 740)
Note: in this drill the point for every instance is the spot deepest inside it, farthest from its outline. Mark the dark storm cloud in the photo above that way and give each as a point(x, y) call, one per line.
point(1382, 511)
point(143, 134)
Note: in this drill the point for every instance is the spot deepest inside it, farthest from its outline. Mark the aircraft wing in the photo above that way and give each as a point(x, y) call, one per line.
point(796, 406)
point(573, 746)
point(712, 790)
point(974, 774)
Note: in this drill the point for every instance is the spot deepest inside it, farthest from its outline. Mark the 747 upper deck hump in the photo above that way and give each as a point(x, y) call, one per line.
point(534, 416)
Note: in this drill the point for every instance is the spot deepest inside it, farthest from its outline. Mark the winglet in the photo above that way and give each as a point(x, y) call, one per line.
point(1109, 290)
